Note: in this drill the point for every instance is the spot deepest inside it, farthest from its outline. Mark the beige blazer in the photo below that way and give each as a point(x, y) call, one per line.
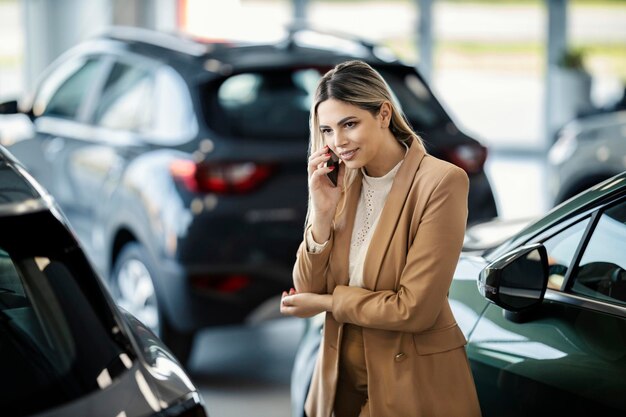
point(414, 350)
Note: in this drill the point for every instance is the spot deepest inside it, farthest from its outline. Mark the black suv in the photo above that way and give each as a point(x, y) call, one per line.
point(181, 164)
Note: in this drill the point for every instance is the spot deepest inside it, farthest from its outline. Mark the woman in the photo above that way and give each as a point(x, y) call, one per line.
point(378, 256)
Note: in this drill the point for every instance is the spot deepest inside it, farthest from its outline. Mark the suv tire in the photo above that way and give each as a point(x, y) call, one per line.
point(133, 289)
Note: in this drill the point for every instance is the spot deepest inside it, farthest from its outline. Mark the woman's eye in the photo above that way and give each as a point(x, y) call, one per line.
point(350, 124)
point(325, 131)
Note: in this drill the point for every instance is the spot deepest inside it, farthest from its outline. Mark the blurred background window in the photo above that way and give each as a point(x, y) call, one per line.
point(174, 120)
point(64, 92)
point(126, 102)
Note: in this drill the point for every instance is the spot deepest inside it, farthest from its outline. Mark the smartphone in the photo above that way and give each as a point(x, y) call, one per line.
point(334, 174)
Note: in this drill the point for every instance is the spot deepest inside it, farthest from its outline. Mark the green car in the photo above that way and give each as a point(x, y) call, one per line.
point(544, 313)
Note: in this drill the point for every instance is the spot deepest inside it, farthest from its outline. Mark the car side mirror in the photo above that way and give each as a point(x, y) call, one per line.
point(518, 280)
point(9, 107)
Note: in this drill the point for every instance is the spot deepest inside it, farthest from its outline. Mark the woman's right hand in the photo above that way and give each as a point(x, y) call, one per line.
point(324, 195)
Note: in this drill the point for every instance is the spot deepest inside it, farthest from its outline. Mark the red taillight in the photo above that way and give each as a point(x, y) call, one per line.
point(220, 177)
point(220, 283)
point(469, 157)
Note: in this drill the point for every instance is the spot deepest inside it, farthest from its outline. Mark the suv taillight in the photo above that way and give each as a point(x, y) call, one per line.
point(220, 177)
point(471, 158)
point(227, 283)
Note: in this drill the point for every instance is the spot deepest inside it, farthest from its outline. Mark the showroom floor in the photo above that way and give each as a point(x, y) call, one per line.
point(245, 370)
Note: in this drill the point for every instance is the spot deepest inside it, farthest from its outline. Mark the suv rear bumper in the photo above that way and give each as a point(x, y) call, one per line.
point(189, 306)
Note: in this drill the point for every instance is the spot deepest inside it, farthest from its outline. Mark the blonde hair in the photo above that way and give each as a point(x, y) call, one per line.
point(358, 84)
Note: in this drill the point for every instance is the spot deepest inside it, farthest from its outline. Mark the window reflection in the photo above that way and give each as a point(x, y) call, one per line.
point(561, 249)
point(126, 100)
point(602, 270)
point(63, 93)
point(174, 118)
point(55, 344)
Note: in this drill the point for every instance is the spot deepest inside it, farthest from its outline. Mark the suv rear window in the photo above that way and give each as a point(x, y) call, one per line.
point(274, 104)
point(258, 105)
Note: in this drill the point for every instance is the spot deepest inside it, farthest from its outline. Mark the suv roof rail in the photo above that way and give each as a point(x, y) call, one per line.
point(172, 41)
point(299, 26)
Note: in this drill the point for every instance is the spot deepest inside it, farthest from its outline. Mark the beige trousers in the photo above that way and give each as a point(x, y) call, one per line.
point(351, 397)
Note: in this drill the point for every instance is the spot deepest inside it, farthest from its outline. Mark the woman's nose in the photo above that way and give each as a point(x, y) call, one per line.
point(339, 140)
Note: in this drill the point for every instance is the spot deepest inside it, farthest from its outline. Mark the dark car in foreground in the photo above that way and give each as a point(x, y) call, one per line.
point(544, 313)
point(65, 348)
point(181, 164)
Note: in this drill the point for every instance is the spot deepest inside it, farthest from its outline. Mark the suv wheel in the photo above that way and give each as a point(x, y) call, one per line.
point(132, 286)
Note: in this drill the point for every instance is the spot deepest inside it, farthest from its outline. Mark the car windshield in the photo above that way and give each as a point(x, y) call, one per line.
point(58, 337)
point(274, 104)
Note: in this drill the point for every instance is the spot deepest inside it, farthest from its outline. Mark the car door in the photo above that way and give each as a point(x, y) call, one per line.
point(569, 356)
point(122, 112)
point(59, 108)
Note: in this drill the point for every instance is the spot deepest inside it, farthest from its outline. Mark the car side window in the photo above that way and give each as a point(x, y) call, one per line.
point(126, 102)
point(601, 273)
point(561, 249)
point(64, 91)
point(30, 321)
point(174, 117)
point(53, 336)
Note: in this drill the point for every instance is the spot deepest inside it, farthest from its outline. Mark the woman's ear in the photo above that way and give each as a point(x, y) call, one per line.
point(385, 114)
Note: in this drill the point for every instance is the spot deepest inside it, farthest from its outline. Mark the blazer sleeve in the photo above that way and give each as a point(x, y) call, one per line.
point(309, 271)
point(427, 275)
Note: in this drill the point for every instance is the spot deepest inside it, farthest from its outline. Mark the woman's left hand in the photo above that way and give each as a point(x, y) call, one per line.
point(305, 304)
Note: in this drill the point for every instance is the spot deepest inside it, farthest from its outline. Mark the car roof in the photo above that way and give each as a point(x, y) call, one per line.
point(19, 192)
point(617, 119)
point(299, 44)
point(598, 195)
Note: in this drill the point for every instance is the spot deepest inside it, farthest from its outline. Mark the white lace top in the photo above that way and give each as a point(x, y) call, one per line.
point(374, 193)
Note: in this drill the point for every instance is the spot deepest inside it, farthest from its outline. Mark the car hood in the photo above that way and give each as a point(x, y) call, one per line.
point(487, 235)
point(469, 266)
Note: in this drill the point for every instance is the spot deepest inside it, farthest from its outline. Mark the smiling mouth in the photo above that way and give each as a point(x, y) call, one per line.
point(346, 156)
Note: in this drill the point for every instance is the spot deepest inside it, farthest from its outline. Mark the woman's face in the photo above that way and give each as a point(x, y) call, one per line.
point(354, 134)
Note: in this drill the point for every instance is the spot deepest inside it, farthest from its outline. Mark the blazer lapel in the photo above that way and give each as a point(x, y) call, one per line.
point(390, 215)
point(343, 231)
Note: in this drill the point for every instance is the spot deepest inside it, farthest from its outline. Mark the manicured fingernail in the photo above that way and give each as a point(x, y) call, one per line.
point(331, 167)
